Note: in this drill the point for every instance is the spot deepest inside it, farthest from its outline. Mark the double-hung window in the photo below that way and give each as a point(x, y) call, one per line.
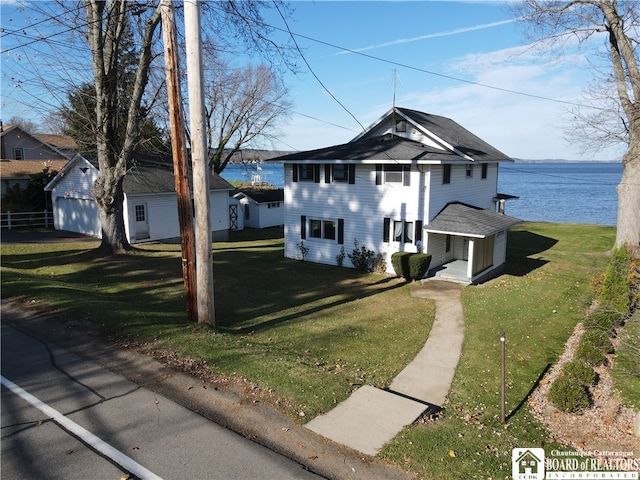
point(306, 173)
point(393, 174)
point(322, 229)
point(446, 174)
point(402, 231)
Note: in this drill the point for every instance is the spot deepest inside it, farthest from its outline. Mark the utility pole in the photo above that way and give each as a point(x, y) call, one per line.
point(199, 163)
point(179, 149)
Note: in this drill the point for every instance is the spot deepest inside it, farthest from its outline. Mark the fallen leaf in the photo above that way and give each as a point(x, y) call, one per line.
point(285, 429)
point(126, 476)
point(301, 413)
point(69, 452)
point(313, 457)
point(135, 448)
point(452, 453)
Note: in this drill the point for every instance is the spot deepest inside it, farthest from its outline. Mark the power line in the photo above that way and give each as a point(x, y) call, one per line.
point(311, 69)
point(429, 72)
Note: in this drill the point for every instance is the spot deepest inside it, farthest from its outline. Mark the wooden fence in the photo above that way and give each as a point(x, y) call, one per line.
point(11, 220)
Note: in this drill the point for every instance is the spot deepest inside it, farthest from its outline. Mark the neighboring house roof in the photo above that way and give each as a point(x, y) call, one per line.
point(461, 219)
point(261, 195)
point(61, 147)
point(62, 142)
point(456, 144)
point(22, 169)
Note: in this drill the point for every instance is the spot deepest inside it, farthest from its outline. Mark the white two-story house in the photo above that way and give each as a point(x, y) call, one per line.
point(411, 182)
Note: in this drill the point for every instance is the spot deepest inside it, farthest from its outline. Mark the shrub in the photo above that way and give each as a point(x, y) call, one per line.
point(580, 372)
point(602, 321)
point(589, 353)
point(615, 285)
point(599, 339)
point(361, 257)
point(379, 265)
point(568, 394)
point(400, 264)
point(340, 257)
point(419, 265)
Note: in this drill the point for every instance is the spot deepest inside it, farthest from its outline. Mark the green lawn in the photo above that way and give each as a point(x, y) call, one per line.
point(314, 333)
point(537, 302)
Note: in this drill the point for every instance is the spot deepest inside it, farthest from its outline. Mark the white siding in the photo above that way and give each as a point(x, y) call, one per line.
point(363, 207)
point(162, 214)
point(270, 216)
point(474, 190)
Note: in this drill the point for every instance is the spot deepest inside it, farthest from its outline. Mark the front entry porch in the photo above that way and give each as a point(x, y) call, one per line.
point(454, 271)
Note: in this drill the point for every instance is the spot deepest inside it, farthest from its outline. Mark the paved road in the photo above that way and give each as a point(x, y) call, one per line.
point(107, 427)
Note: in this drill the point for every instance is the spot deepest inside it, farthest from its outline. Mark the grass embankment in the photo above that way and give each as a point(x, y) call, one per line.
point(314, 333)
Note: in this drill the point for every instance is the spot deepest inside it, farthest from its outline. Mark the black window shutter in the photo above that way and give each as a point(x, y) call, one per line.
point(352, 173)
point(406, 177)
point(327, 173)
point(316, 173)
point(340, 231)
point(387, 228)
point(378, 174)
point(418, 230)
point(295, 172)
point(303, 227)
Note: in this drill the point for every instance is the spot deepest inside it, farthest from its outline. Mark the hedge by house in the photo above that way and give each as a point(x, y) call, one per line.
point(411, 266)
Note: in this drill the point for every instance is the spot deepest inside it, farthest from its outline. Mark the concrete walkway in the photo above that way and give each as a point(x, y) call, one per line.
point(371, 417)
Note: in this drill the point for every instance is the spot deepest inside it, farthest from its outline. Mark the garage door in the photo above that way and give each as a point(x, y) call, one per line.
point(77, 215)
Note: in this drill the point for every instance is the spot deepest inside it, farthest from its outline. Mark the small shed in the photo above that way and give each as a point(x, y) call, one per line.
point(261, 208)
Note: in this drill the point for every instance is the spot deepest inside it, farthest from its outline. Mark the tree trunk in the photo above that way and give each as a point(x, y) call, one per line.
point(628, 232)
point(109, 195)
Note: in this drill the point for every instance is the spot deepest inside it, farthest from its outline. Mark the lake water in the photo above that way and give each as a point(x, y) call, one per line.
point(573, 192)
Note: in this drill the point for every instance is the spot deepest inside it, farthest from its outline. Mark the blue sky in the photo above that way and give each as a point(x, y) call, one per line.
point(458, 59)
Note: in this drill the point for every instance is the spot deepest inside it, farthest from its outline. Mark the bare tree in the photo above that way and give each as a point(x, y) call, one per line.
point(243, 105)
point(108, 24)
point(553, 21)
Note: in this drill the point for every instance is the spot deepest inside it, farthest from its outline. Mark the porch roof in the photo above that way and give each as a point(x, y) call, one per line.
point(462, 219)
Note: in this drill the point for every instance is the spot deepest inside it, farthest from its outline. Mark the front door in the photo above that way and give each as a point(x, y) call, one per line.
point(142, 221)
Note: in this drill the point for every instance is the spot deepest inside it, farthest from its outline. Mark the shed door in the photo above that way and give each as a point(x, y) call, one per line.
point(233, 216)
point(141, 221)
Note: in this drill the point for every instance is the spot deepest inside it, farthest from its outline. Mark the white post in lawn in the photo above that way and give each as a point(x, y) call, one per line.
point(200, 163)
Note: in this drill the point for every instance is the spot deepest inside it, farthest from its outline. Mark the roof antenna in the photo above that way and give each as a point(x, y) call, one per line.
point(395, 79)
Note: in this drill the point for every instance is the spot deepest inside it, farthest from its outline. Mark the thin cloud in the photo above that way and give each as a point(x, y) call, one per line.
point(448, 33)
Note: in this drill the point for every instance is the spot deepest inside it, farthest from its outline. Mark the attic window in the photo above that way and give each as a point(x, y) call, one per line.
point(401, 126)
point(469, 171)
point(18, 154)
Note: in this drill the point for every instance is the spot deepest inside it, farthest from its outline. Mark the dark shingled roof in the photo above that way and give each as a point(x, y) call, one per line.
point(456, 135)
point(154, 174)
point(394, 148)
point(262, 195)
point(389, 148)
point(462, 219)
